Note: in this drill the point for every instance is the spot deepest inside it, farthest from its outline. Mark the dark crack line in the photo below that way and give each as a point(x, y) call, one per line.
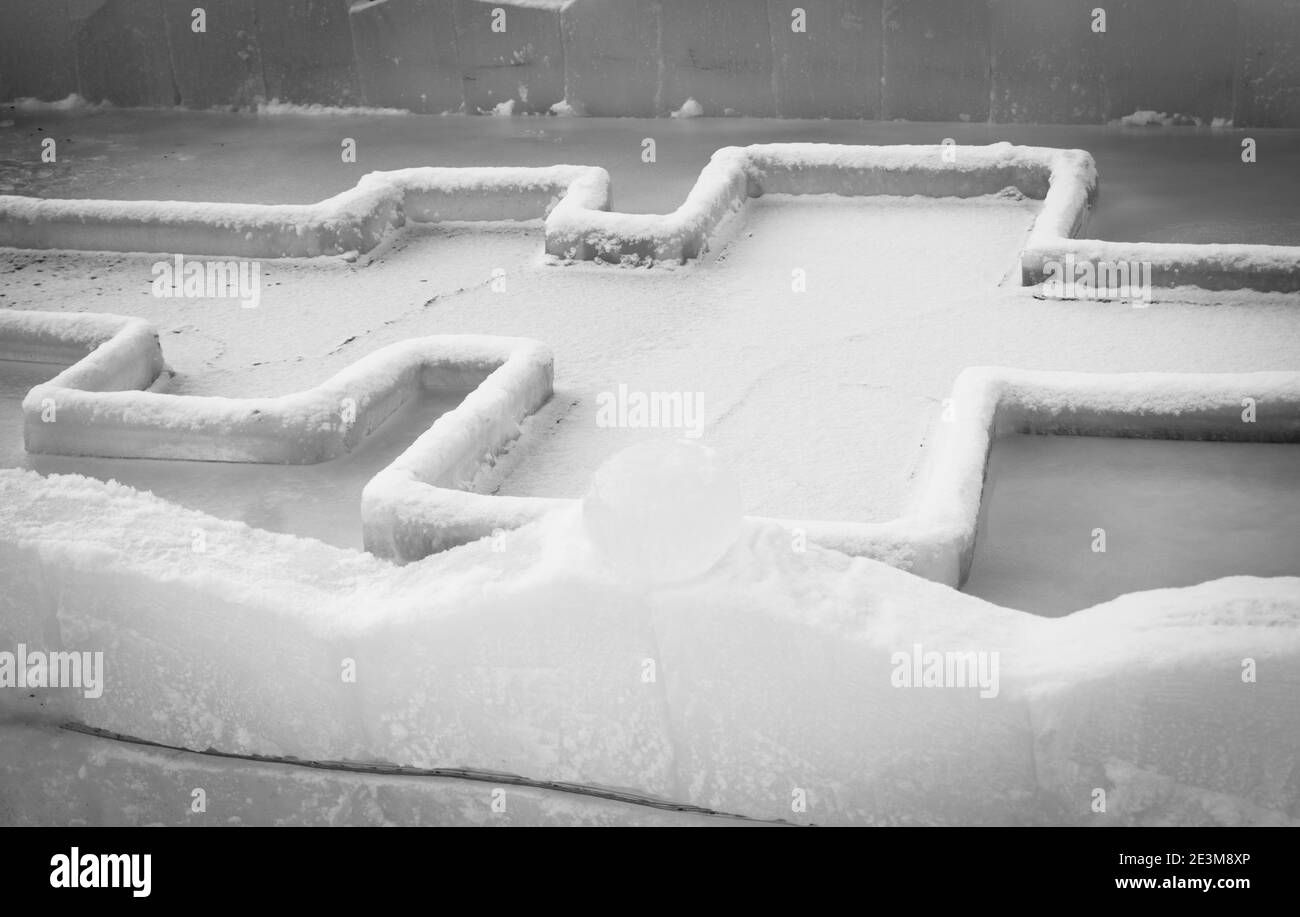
point(451, 773)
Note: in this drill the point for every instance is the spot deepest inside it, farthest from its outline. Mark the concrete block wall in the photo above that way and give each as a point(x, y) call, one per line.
point(122, 53)
point(1175, 55)
point(510, 52)
point(1048, 62)
point(833, 69)
point(406, 55)
point(222, 66)
point(924, 60)
point(1268, 58)
point(307, 54)
point(36, 50)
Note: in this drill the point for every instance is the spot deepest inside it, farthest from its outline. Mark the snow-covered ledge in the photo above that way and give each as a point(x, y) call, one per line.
point(356, 220)
point(97, 407)
point(574, 200)
point(735, 174)
point(935, 538)
point(575, 203)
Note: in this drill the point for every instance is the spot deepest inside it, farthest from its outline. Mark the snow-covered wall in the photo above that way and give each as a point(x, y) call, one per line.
point(1004, 60)
point(101, 406)
point(773, 673)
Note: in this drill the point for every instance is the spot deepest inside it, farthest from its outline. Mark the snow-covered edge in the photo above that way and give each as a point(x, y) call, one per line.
point(356, 220)
point(98, 406)
point(935, 538)
point(575, 202)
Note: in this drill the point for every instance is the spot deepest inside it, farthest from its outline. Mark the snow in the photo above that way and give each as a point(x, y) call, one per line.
point(732, 329)
point(1147, 118)
point(70, 103)
point(769, 670)
point(1163, 507)
point(355, 220)
point(689, 109)
point(97, 413)
point(661, 513)
point(566, 109)
point(277, 108)
point(769, 673)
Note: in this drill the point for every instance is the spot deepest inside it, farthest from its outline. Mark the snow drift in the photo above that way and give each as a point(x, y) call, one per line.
point(767, 679)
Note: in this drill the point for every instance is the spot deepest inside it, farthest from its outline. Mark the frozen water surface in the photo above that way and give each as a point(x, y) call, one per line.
point(1174, 514)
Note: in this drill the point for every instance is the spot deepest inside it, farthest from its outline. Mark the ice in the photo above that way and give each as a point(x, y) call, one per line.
point(1174, 514)
point(661, 513)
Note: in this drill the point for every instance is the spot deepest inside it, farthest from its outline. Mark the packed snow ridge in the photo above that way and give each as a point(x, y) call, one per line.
point(772, 670)
point(574, 201)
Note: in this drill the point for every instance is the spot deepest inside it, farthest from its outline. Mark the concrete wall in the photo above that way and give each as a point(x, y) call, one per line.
point(406, 55)
point(946, 60)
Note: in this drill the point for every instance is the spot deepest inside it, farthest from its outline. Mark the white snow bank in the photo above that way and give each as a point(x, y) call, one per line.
point(690, 109)
point(275, 108)
point(772, 677)
point(1150, 118)
point(566, 109)
point(72, 103)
